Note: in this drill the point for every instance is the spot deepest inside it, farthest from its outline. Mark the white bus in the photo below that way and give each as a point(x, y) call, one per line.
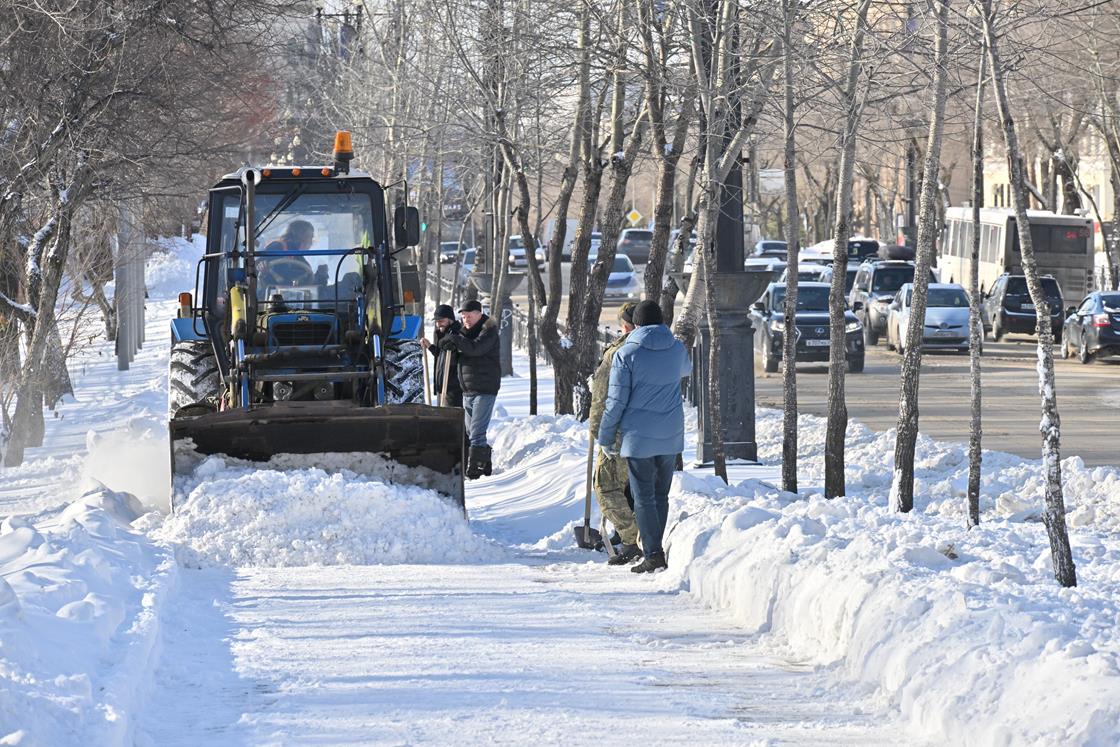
point(1063, 247)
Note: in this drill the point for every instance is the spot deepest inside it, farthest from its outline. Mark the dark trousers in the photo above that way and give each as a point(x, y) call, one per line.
point(650, 480)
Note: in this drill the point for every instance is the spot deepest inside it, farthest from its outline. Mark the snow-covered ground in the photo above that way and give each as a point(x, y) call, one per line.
point(335, 606)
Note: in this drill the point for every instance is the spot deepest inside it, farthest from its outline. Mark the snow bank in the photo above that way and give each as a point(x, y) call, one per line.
point(539, 483)
point(79, 595)
point(966, 632)
point(283, 513)
point(170, 268)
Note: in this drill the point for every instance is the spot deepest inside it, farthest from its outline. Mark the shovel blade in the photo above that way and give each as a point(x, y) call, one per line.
point(587, 538)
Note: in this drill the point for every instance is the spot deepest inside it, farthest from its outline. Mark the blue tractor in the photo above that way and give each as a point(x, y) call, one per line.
point(302, 336)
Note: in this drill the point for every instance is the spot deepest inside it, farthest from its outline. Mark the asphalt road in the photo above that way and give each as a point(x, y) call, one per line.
point(1088, 398)
point(1088, 395)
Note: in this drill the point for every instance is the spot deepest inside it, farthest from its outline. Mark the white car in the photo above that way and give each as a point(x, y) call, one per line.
point(946, 321)
point(517, 258)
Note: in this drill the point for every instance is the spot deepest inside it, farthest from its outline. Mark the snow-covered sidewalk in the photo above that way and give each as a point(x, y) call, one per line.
point(523, 652)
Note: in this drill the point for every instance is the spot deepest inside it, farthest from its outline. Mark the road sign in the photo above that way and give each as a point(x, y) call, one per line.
point(633, 216)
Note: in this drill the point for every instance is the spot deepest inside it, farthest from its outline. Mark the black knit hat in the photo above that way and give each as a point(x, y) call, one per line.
point(647, 313)
point(471, 306)
point(444, 311)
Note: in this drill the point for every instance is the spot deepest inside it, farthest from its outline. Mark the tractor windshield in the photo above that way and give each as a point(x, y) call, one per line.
point(302, 241)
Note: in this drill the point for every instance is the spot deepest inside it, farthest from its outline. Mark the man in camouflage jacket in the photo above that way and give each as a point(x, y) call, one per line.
point(611, 478)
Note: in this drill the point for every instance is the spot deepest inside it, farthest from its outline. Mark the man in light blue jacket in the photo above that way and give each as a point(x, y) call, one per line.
point(644, 422)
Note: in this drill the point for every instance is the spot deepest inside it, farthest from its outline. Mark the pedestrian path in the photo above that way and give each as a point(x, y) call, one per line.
point(526, 652)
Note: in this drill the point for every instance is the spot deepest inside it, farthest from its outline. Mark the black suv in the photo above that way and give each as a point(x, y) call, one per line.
point(811, 320)
point(1092, 329)
point(1011, 310)
point(873, 290)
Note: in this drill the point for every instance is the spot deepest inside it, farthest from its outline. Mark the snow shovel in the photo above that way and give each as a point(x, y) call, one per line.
point(586, 537)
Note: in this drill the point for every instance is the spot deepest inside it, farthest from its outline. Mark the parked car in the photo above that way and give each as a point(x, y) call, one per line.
point(810, 273)
point(622, 283)
point(467, 267)
point(873, 291)
point(811, 320)
point(517, 258)
point(946, 320)
point(1011, 310)
point(770, 248)
point(449, 250)
point(635, 244)
point(1092, 328)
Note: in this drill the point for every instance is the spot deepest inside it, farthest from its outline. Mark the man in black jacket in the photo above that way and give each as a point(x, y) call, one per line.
point(445, 324)
point(480, 376)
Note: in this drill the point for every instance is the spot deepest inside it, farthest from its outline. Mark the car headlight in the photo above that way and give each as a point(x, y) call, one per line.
point(853, 326)
point(884, 300)
point(778, 325)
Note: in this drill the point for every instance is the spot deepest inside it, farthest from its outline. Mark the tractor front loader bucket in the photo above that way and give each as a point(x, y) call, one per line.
point(413, 435)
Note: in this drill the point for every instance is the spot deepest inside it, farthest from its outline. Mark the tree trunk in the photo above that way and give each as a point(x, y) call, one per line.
point(902, 486)
point(793, 243)
point(975, 319)
point(671, 289)
point(557, 344)
point(837, 423)
point(33, 376)
point(1054, 515)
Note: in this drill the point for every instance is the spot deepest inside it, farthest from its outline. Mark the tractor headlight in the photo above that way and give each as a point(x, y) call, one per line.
point(853, 326)
point(282, 391)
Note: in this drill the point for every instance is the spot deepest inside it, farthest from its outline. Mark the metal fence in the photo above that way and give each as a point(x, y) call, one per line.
point(129, 252)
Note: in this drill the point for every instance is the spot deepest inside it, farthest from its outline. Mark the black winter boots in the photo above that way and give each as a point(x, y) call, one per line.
point(626, 554)
point(478, 462)
point(655, 561)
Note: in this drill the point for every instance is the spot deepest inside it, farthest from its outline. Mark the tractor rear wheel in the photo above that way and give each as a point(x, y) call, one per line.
point(404, 372)
point(192, 378)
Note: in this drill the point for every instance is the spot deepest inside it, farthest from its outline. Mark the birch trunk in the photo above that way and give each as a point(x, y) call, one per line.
point(902, 486)
point(837, 423)
point(793, 243)
point(975, 319)
point(1054, 515)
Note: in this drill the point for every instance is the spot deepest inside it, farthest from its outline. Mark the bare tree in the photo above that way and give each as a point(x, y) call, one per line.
point(975, 319)
point(1050, 424)
point(902, 486)
point(852, 103)
point(793, 244)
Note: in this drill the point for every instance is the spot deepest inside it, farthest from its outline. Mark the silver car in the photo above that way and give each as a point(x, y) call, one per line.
point(946, 322)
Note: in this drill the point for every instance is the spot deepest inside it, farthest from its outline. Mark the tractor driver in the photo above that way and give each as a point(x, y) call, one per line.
point(288, 271)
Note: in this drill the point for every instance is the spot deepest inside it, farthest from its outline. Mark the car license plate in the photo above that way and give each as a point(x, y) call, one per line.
point(1027, 306)
point(944, 333)
point(817, 343)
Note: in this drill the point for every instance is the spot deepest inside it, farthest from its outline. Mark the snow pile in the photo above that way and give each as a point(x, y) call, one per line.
point(170, 269)
point(539, 483)
point(520, 440)
point(229, 512)
point(1011, 487)
point(965, 632)
point(79, 595)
